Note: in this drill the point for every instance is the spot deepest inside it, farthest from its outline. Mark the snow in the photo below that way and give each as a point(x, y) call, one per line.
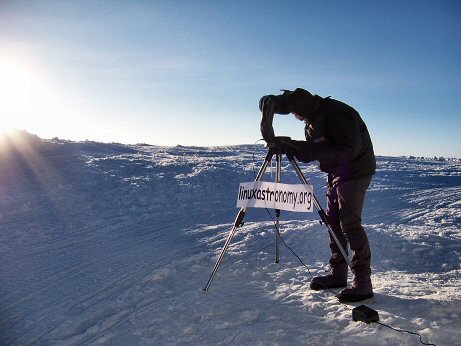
point(112, 244)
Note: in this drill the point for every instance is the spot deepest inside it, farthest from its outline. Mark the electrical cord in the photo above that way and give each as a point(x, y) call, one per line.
point(296, 255)
point(254, 171)
point(328, 288)
point(406, 331)
point(283, 240)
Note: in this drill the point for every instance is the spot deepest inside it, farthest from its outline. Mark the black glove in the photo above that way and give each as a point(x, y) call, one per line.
point(287, 145)
point(306, 153)
point(302, 150)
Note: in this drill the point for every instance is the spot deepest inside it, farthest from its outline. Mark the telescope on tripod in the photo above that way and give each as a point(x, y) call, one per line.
point(276, 147)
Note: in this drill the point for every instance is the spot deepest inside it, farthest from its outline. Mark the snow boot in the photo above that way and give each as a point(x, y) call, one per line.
point(338, 274)
point(361, 289)
point(335, 279)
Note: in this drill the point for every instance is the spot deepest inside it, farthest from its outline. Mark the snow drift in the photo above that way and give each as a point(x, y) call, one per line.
point(112, 244)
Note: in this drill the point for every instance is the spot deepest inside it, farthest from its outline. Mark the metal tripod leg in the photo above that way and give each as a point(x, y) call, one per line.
point(241, 214)
point(278, 179)
point(323, 215)
point(238, 221)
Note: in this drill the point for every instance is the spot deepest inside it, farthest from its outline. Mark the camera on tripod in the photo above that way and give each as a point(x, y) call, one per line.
point(269, 105)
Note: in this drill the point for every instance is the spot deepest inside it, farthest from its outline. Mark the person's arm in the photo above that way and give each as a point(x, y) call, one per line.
point(345, 140)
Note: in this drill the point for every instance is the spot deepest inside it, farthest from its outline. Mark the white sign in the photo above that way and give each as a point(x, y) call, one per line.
point(263, 194)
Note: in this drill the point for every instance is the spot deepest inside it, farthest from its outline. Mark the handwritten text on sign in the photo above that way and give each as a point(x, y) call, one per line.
point(263, 194)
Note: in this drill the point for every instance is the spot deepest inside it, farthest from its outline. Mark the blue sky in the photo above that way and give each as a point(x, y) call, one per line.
point(192, 72)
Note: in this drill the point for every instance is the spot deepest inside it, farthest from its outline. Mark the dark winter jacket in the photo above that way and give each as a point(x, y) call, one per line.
point(340, 140)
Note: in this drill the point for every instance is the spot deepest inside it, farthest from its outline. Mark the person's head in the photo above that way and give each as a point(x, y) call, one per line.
point(299, 102)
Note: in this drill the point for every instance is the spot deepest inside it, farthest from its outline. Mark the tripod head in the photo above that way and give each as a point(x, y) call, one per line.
point(279, 142)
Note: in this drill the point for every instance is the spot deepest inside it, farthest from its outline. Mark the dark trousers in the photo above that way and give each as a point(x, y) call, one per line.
point(344, 211)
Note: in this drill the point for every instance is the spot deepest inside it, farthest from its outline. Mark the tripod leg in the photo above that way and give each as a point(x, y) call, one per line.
point(323, 215)
point(238, 222)
point(277, 211)
point(277, 235)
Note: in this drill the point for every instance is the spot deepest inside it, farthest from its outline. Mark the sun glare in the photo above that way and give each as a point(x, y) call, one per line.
point(15, 84)
point(14, 87)
point(26, 99)
point(34, 99)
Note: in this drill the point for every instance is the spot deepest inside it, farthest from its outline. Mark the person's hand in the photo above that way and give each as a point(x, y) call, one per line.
point(302, 150)
point(287, 145)
point(306, 155)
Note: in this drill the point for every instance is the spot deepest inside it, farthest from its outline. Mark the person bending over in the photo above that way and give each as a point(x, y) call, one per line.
point(337, 137)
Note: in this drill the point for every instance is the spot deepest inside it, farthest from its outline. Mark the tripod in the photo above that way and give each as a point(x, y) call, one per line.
point(274, 149)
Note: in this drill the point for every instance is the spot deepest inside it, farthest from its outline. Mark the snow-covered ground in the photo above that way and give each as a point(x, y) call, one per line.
point(113, 244)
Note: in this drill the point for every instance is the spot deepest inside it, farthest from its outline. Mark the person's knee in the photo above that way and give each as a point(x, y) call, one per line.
point(351, 223)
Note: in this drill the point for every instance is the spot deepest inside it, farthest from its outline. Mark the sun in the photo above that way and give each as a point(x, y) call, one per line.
point(15, 85)
point(36, 99)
